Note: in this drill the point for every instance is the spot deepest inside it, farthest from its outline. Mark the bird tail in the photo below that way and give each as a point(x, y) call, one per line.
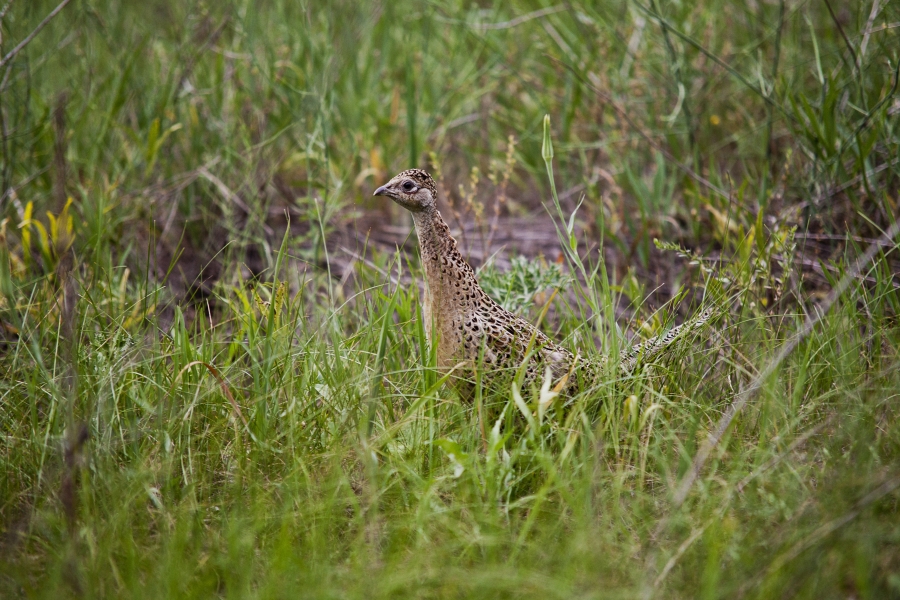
point(657, 345)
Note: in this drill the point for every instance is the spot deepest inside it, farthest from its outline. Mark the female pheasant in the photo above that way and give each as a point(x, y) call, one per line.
point(468, 326)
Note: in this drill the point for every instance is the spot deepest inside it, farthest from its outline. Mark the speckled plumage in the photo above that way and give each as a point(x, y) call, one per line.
point(470, 326)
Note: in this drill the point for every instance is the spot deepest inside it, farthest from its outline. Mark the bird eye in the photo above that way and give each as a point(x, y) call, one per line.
point(408, 186)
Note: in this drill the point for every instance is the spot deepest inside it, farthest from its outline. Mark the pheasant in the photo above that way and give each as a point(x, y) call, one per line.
point(469, 327)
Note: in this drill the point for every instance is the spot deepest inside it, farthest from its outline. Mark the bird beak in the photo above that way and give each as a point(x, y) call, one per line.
point(382, 191)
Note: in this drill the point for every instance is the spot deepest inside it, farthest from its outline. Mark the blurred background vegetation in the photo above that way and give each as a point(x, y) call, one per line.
point(196, 284)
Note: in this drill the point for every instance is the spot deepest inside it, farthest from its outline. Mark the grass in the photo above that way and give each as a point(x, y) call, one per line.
point(203, 396)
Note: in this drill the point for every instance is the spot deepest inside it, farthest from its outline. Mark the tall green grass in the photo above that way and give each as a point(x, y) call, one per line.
point(194, 403)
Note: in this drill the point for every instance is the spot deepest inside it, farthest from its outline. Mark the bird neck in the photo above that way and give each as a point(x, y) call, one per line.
point(434, 236)
point(445, 268)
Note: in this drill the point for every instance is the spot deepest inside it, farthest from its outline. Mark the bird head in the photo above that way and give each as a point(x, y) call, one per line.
point(414, 190)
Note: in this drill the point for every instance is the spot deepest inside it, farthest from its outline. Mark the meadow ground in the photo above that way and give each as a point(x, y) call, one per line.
point(213, 374)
